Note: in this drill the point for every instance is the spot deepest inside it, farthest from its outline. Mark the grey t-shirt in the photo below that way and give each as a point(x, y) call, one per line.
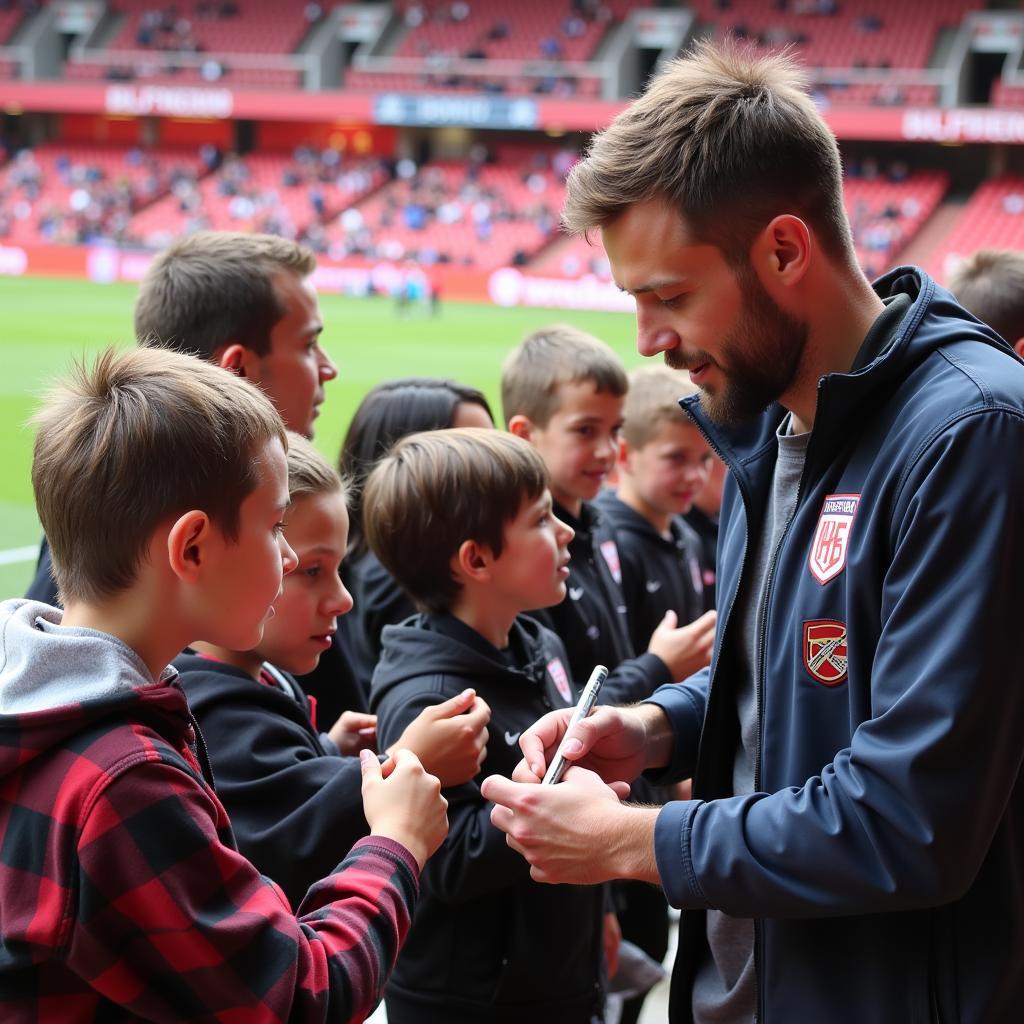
point(725, 987)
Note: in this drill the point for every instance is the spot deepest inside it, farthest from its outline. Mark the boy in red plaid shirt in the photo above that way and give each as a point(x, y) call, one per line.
point(161, 483)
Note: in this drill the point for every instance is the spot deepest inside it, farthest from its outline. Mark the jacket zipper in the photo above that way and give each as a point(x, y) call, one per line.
point(720, 638)
point(760, 653)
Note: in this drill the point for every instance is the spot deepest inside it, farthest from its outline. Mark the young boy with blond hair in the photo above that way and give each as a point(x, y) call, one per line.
point(292, 792)
point(161, 482)
point(463, 520)
point(663, 463)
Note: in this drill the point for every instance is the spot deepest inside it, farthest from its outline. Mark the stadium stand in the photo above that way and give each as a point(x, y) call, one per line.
point(872, 50)
point(840, 33)
point(439, 31)
point(993, 218)
point(859, 35)
point(152, 39)
point(11, 17)
point(80, 193)
point(293, 196)
point(469, 214)
point(1006, 95)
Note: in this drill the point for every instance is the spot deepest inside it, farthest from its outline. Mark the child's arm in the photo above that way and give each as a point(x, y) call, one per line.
point(475, 858)
point(174, 924)
point(450, 738)
point(294, 810)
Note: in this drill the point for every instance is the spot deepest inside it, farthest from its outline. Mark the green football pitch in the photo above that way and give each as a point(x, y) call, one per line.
point(45, 324)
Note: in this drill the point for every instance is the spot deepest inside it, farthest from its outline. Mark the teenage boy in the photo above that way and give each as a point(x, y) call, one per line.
point(854, 851)
point(663, 463)
point(293, 793)
point(161, 483)
point(463, 520)
point(563, 390)
point(245, 302)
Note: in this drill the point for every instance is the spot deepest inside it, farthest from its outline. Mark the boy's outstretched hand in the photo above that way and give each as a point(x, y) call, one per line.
point(450, 738)
point(406, 805)
point(354, 731)
point(684, 649)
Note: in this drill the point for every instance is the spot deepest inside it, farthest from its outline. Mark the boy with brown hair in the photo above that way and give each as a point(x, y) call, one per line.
point(161, 483)
point(663, 462)
point(463, 520)
point(563, 391)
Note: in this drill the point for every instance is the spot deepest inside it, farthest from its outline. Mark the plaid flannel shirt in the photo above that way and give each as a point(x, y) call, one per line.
point(122, 896)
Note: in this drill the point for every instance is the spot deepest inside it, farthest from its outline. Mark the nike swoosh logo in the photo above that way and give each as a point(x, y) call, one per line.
point(653, 586)
point(575, 593)
point(511, 738)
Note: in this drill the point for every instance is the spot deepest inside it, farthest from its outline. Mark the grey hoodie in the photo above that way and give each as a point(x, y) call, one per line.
point(46, 665)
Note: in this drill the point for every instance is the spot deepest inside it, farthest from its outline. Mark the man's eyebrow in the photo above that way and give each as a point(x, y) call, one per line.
point(655, 287)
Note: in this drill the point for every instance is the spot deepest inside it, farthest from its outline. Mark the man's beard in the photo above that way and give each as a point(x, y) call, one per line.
point(761, 355)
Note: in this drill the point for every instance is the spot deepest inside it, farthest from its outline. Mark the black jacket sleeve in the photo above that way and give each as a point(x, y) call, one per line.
point(295, 810)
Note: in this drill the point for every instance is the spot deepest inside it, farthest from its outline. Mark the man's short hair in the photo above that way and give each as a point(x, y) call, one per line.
point(990, 284)
point(438, 489)
point(653, 399)
point(536, 369)
point(140, 436)
point(309, 472)
point(728, 138)
point(216, 288)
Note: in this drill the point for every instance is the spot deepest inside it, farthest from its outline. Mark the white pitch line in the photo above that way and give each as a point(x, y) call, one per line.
point(12, 556)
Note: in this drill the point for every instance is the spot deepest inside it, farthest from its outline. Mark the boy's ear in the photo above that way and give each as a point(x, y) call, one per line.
point(521, 426)
point(239, 359)
point(472, 562)
point(1018, 346)
point(622, 454)
point(187, 542)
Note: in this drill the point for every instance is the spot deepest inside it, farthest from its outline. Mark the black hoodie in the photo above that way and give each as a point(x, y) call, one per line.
point(591, 620)
point(658, 573)
point(295, 805)
point(488, 943)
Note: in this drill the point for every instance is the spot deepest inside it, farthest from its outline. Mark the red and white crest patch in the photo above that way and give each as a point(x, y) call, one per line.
point(825, 652)
point(832, 537)
point(561, 680)
point(610, 551)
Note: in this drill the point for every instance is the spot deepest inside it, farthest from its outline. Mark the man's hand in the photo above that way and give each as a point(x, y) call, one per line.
point(406, 805)
point(576, 832)
point(684, 649)
point(450, 738)
point(617, 743)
